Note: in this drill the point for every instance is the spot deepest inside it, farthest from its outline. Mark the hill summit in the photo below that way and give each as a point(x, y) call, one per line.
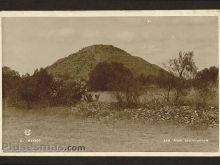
point(78, 65)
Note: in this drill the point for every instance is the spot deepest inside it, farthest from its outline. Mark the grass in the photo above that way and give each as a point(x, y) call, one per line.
point(60, 125)
point(152, 94)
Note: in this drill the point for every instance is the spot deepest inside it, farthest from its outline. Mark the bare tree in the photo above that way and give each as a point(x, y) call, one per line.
point(166, 80)
point(182, 68)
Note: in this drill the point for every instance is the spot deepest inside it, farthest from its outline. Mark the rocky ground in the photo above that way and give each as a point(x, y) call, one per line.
point(106, 129)
point(187, 115)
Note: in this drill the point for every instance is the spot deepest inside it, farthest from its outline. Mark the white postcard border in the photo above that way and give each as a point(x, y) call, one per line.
point(121, 13)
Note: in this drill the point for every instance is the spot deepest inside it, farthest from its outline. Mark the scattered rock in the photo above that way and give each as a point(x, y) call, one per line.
point(152, 112)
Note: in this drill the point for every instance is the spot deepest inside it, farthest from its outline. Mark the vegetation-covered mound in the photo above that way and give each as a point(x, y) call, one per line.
point(81, 63)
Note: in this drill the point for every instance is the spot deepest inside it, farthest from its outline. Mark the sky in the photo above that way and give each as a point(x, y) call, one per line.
point(31, 43)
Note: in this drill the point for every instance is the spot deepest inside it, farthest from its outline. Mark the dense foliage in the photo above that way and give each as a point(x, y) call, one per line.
point(39, 89)
point(207, 75)
point(42, 89)
point(115, 77)
point(11, 81)
point(110, 77)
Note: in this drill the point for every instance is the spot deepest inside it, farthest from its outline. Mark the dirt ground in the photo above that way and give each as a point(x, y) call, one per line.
point(109, 136)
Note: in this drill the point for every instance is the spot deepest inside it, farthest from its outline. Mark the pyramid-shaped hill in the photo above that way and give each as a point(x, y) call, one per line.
point(79, 64)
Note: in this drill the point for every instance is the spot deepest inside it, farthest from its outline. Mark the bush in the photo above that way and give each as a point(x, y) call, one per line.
point(67, 93)
point(205, 84)
point(128, 97)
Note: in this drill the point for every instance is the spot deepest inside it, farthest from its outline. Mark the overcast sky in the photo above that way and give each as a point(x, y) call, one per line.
point(30, 43)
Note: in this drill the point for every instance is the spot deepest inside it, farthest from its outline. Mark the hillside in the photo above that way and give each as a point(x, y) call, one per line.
point(78, 65)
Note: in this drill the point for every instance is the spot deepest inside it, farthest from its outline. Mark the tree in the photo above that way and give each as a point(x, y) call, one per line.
point(166, 80)
point(43, 82)
point(143, 80)
point(146, 80)
point(183, 68)
point(115, 77)
point(205, 83)
point(36, 89)
point(110, 77)
point(28, 91)
point(11, 82)
point(40, 89)
point(207, 75)
point(213, 72)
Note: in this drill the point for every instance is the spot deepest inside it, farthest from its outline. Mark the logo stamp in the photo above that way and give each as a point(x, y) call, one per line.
point(27, 132)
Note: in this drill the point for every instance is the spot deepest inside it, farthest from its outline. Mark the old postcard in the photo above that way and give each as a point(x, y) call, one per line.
point(110, 83)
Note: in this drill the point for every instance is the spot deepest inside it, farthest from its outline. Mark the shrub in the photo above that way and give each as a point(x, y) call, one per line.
point(129, 97)
point(67, 92)
point(205, 84)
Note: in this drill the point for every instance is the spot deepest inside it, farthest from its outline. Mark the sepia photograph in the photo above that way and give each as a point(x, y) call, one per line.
point(110, 84)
